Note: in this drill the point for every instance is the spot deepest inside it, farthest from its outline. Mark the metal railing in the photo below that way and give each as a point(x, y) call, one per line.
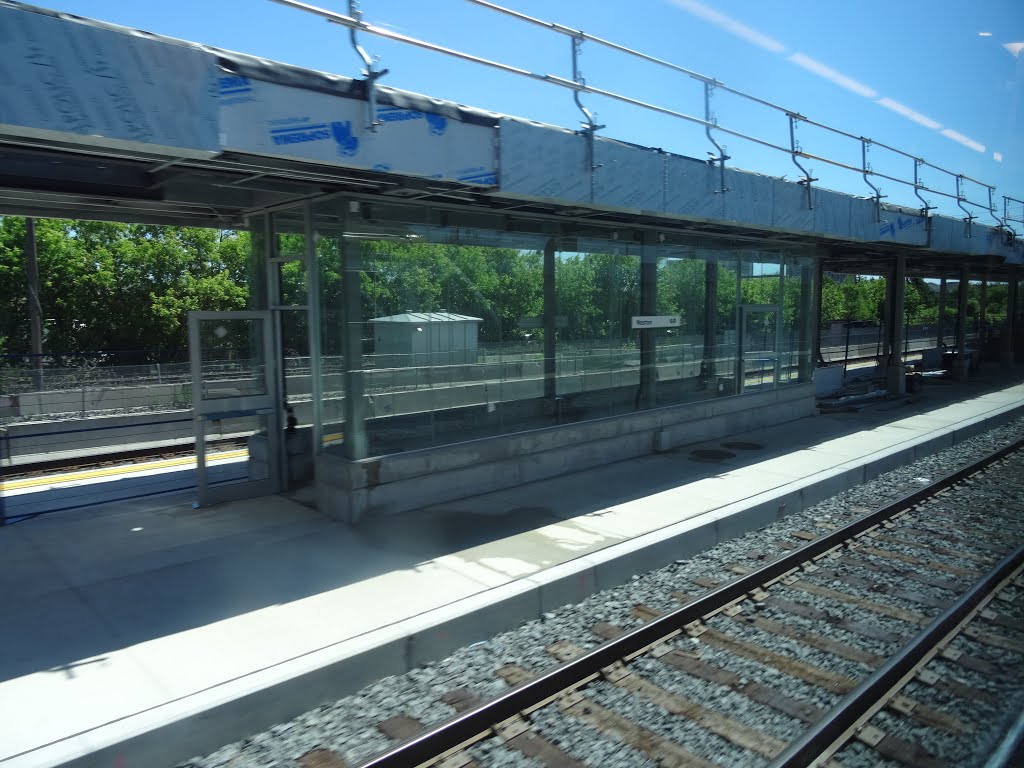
point(957, 190)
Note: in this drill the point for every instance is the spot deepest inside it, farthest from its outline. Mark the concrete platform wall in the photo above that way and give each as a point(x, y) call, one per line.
point(350, 490)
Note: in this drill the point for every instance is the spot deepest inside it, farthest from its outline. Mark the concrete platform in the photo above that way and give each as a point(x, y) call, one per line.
point(143, 633)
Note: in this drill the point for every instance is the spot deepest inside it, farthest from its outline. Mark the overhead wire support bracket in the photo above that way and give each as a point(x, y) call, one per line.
point(709, 122)
point(794, 152)
point(865, 147)
point(1011, 233)
point(918, 186)
point(372, 75)
point(590, 126)
point(1002, 226)
point(969, 217)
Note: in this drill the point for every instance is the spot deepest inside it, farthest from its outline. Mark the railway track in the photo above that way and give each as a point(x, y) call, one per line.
point(120, 458)
point(885, 632)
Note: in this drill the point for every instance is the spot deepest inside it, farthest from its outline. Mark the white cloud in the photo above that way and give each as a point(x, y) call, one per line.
point(832, 75)
point(730, 25)
point(1014, 48)
point(959, 138)
point(907, 112)
point(997, 156)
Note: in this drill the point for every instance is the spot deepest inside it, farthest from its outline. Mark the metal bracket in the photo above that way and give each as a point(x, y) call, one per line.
point(1011, 235)
point(865, 147)
point(794, 151)
point(918, 186)
point(372, 75)
point(710, 120)
point(590, 126)
point(992, 209)
point(970, 217)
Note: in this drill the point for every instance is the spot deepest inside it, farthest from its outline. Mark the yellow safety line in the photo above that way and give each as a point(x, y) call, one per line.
point(87, 474)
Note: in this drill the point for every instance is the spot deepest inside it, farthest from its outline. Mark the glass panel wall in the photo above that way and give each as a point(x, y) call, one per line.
point(597, 285)
point(685, 275)
point(726, 347)
point(797, 340)
point(329, 284)
point(436, 334)
point(760, 329)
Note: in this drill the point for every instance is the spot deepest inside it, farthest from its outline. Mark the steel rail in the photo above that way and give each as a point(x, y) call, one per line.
point(475, 724)
point(835, 727)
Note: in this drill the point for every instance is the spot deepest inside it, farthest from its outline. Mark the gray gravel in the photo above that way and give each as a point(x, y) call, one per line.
point(349, 725)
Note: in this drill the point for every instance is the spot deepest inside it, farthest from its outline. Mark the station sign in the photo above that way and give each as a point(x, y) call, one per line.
point(655, 321)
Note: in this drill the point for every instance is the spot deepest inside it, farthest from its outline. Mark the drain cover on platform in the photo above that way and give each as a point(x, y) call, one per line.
point(711, 454)
point(742, 446)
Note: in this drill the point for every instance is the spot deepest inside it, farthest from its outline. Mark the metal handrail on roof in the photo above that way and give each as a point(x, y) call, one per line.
point(708, 122)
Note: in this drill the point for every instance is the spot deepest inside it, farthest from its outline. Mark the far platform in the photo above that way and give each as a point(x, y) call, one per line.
point(146, 632)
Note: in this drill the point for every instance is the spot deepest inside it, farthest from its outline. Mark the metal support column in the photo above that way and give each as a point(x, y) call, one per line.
point(940, 332)
point(313, 325)
point(895, 370)
point(34, 307)
point(960, 362)
point(272, 283)
point(805, 313)
point(648, 339)
point(707, 364)
point(982, 301)
point(1010, 329)
point(356, 446)
point(815, 309)
point(550, 311)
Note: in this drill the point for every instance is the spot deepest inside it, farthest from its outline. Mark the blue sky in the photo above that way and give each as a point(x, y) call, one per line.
point(920, 76)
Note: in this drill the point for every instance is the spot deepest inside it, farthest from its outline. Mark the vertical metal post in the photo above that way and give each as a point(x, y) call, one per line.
point(198, 421)
point(275, 358)
point(590, 126)
point(794, 152)
point(707, 365)
point(372, 75)
point(919, 185)
point(709, 120)
point(968, 217)
point(815, 310)
point(846, 348)
point(960, 363)
point(1009, 327)
point(982, 301)
point(895, 370)
point(865, 147)
point(34, 306)
point(940, 331)
point(648, 339)
point(805, 316)
point(356, 443)
point(740, 375)
point(313, 318)
point(550, 310)
point(780, 320)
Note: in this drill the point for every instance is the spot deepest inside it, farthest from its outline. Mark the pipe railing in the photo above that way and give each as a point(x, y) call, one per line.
point(578, 85)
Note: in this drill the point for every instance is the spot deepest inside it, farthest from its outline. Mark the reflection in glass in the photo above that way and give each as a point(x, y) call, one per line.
point(232, 358)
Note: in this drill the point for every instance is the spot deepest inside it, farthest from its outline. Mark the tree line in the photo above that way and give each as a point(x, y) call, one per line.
point(112, 286)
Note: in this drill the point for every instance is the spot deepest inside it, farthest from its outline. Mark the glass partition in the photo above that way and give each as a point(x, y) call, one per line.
point(231, 358)
point(597, 284)
point(433, 334)
point(725, 350)
point(329, 283)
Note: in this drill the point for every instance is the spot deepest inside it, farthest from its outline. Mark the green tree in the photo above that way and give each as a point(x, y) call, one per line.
point(109, 286)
